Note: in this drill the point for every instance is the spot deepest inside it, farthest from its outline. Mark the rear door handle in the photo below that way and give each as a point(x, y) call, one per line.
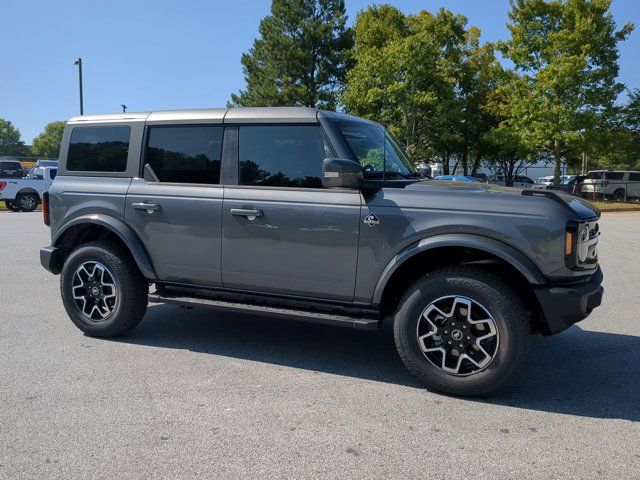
point(148, 207)
point(251, 214)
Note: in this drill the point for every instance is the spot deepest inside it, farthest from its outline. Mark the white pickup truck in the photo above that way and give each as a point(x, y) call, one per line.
point(26, 193)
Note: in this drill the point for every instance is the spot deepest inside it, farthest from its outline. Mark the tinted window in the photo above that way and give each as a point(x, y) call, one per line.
point(282, 156)
point(189, 154)
point(634, 177)
point(54, 172)
point(614, 175)
point(594, 176)
point(99, 149)
point(11, 165)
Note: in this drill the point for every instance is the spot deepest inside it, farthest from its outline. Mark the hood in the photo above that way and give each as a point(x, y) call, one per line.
point(491, 198)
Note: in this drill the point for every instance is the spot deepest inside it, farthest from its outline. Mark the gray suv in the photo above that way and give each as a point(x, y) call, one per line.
point(318, 216)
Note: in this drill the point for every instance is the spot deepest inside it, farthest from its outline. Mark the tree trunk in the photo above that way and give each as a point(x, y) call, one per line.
point(557, 155)
point(445, 164)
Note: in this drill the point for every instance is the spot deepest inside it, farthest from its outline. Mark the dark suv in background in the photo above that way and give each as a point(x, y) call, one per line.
point(318, 216)
point(10, 168)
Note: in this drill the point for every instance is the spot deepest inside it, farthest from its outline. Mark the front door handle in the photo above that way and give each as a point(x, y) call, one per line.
point(148, 207)
point(250, 213)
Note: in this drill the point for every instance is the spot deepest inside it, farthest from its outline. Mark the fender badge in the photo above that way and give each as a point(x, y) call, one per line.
point(371, 220)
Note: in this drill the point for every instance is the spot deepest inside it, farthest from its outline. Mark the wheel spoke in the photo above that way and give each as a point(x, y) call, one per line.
point(94, 290)
point(458, 335)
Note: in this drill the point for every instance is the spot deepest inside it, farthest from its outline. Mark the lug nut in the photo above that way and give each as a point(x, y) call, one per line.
point(468, 338)
point(461, 345)
point(450, 342)
point(446, 332)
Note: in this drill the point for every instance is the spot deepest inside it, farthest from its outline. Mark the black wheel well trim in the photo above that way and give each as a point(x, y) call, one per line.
point(476, 242)
point(28, 190)
point(121, 230)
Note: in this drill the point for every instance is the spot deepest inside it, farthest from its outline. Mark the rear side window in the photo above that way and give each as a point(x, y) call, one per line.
point(99, 149)
point(614, 175)
point(634, 177)
point(282, 155)
point(185, 154)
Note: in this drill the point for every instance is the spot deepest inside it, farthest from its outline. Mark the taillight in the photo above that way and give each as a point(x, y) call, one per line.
point(45, 208)
point(2, 185)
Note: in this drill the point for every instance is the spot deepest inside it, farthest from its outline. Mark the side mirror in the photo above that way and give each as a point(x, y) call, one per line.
point(342, 173)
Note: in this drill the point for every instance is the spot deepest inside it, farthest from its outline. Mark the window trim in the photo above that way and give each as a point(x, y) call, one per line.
point(279, 124)
point(100, 172)
point(145, 144)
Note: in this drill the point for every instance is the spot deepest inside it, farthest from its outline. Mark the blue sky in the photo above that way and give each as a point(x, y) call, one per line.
point(163, 54)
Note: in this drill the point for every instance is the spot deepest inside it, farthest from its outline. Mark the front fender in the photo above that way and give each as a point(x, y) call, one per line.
point(125, 233)
point(494, 247)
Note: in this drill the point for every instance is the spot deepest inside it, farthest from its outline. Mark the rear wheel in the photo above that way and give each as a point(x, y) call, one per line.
point(618, 195)
point(102, 289)
point(462, 331)
point(27, 202)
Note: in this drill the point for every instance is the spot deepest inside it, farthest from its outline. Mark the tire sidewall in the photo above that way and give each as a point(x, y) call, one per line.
point(512, 337)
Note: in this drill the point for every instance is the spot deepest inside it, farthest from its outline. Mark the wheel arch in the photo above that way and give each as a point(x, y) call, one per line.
point(28, 190)
point(92, 227)
point(456, 249)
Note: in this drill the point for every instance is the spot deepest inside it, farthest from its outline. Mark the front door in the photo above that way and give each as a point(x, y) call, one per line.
point(283, 233)
point(176, 208)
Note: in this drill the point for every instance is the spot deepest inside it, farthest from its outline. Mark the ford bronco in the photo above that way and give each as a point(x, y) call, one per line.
point(318, 216)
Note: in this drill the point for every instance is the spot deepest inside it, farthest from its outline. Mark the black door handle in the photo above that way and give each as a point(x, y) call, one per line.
point(148, 207)
point(246, 212)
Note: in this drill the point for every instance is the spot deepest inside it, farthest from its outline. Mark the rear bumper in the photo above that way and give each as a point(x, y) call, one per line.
point(51, 259)
point(562, 306)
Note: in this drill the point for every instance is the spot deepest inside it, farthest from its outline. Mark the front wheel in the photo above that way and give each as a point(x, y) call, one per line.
point(462, 331)
point(103, 291)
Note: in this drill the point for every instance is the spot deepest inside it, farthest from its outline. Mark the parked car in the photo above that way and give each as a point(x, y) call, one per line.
point(10, 168)
point(519, 181)
point(455, 178)
point(615, 184)
point(542, 182)
point(26, 193)
point(318, 216)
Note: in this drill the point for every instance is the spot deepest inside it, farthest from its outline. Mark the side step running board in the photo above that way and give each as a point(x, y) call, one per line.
point(265, 310)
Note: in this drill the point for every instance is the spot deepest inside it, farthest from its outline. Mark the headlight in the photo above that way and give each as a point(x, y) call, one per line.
point(581, 245)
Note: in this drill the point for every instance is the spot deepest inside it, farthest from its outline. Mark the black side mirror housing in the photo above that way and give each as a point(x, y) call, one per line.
point(342, 173)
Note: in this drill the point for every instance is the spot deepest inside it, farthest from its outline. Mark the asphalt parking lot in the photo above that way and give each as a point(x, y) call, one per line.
point(199, 394)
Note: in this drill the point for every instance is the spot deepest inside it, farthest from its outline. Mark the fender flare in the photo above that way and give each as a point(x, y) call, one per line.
point(494, 247)
point(29, 190)
point(130, 239)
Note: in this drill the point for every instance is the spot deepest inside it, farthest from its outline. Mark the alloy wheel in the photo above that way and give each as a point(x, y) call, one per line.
point(94, 291)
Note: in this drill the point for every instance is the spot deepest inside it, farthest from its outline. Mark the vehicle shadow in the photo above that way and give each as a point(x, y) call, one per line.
point(578, 372)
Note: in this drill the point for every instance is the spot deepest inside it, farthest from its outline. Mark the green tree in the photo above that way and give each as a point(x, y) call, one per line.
point(47, 144)
point(566, 55)
point(427, 78)
point(300, 57)
point(10, 143)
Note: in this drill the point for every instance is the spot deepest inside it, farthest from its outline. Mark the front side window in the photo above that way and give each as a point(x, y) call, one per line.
point(376, 150)
point(99, 149)
point(282, 155)
point(185, 154)
point(614, 175)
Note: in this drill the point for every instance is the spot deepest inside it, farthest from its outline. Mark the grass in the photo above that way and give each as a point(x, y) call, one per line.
point(608, 206)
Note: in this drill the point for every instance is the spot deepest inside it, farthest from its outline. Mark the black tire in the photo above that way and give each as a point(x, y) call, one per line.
point(511, 323)
point(27, 202)
point(12, 206)
point(130, 304)
point(618, 195)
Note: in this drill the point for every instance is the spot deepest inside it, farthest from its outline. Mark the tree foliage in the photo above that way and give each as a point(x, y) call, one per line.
point(300, 57)
point(10, 143)
point(566, 55)
point(426, 76)
point(47, 144)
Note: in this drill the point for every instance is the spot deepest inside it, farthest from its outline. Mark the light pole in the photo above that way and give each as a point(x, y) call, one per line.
point(79, 63)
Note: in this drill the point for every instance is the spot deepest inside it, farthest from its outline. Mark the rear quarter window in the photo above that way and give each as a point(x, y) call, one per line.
point(99, 149)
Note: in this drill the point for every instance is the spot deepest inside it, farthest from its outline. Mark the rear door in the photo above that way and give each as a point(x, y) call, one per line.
point(283, 233)
point(176, 207)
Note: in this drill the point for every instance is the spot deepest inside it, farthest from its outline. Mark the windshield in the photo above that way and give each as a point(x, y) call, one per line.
point(376, 150)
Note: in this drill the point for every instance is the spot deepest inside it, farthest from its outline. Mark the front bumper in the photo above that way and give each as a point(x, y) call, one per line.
point(51, 259)
point(562, 306)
